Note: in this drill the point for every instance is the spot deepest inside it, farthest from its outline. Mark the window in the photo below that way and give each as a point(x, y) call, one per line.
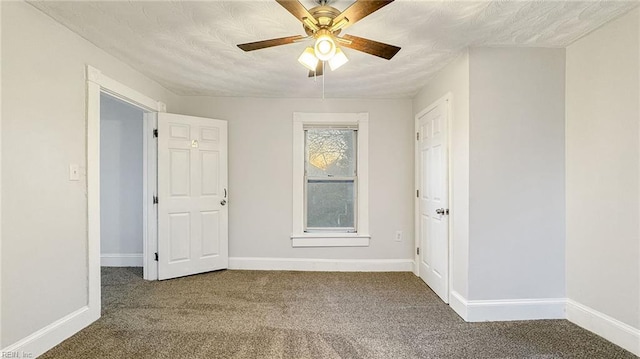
point(330, 180)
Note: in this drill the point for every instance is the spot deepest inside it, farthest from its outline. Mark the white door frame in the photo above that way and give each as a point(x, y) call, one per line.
point(149, 190)
point(97, 83)
point(447, 99)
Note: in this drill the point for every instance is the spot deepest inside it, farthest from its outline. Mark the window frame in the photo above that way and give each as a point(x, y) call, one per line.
point(327, 238)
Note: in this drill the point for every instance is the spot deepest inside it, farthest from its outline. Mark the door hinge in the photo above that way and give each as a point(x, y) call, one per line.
point(417, 251)
point(417, 136)
point(155, 199)
point(156, 253)
point(418, 193)
point(155, 132)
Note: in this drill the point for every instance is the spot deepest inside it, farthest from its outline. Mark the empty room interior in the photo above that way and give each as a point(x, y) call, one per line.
point(320, 179)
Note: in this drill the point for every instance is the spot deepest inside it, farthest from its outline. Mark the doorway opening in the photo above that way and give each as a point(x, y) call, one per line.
point(121, 185)
point(184, 188)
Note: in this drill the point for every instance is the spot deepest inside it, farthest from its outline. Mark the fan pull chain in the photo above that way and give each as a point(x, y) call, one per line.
point(324, 74)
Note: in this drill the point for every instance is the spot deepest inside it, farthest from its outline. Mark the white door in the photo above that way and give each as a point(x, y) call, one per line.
point(192, 195)
point(433, 198)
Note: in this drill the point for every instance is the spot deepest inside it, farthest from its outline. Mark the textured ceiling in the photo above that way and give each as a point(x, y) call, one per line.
point(190, 46)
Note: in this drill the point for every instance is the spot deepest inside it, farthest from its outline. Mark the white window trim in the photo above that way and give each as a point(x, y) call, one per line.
point(298, 237)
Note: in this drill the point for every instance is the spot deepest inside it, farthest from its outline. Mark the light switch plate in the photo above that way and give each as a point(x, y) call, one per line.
point(74, 172)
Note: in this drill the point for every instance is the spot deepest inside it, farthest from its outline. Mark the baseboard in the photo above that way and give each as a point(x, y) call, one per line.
point(605, 326)
point(53, 334)
point(328, 265)
point(515, 309)
point(458, 304)
point(121, 260)
point(507, 309)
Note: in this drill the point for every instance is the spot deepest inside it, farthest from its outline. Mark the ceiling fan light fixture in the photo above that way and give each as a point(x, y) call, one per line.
point(308, 59)
point(338, 60)
point(325, 47)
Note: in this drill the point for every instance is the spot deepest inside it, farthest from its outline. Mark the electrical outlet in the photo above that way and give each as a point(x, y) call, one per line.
point(398, 237)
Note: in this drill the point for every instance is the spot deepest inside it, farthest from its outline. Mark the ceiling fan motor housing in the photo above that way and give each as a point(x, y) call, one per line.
point(324, 14)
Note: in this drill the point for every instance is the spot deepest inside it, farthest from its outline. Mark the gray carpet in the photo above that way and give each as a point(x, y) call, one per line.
point(256, 314)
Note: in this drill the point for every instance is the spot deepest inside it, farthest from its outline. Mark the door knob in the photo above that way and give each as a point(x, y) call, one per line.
point(223, 202)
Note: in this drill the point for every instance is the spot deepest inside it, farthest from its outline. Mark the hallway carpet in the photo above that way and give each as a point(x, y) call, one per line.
point(261, 314)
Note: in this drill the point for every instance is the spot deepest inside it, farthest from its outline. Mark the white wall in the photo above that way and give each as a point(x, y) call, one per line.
point(517, 211)
point(603, 237)
point(260, 168)
point(507, 163)
point(44, 215)
point(120, 181)
point(454, 78)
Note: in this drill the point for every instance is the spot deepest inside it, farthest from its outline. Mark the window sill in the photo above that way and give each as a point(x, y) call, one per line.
point(330, 240)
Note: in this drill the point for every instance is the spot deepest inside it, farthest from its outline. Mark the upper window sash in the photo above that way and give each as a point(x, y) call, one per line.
point(353, 153)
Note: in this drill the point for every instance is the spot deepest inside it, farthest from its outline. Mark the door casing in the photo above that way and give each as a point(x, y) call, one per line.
point(97, 83)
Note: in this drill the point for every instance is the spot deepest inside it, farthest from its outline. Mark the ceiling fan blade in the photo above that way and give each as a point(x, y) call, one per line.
point(297, 9)
point(370, 47)
point(250, 46)
point(358, 10)
point(319, 70)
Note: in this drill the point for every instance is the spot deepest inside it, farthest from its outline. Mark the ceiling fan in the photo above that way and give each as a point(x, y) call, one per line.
point(324, 23)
